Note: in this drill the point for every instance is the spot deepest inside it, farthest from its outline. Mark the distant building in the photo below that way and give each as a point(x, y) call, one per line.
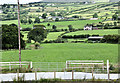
point(90, 27)
point(54, 17)
point(95, 38)
point(93, 18)
point(50, 4)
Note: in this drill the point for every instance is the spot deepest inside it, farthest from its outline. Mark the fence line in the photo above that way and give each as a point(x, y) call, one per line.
point(10, 64)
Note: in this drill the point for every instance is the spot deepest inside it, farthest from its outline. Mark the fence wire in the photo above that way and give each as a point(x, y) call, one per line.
point(49, 66)
point(61, 66)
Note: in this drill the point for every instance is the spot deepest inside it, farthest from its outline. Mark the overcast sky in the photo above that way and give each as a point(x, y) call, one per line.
point(15, 1)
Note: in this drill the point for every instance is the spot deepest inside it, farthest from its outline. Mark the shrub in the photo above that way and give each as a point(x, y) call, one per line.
point(37, 45)
point(112, 67)
point(111, 39)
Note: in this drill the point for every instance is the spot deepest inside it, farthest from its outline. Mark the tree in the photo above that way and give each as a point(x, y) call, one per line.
point(37, 34)
point(43, 10)
point(37, 20)
point(10, 37)
point(95, 15)
point(70, 27)
point(30, 21)
point(115, 23)
point(115, 17)
point(57, 19)
point(59, 14)
point(53, 14)
point(23, 21)
point(76, 16)
point(48, 24)
point(44, 15)
point(37, 10)
point(54, 27)
point(106, 26)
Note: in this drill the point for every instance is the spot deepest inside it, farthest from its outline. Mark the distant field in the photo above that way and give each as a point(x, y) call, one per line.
point(66, 51)
point(53, 35)
point(76, 24)
point(50, 36)
point(60, 25)
point(95, 32)
point(9, 22)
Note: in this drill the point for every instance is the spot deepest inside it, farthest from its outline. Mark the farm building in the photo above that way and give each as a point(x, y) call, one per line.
point(95, 38)
point(93, 18)
point(54, 17)
point(90, 27)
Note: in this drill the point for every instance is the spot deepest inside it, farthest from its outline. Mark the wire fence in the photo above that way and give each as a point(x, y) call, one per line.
point(49, 66)
point(58, 66)
point(61, 66)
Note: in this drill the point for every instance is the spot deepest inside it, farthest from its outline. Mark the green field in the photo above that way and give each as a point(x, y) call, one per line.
point(76, 24)
point(50, 36)
point(53, 35)
point(95, 32)
point(60, 25)
point(66, 51)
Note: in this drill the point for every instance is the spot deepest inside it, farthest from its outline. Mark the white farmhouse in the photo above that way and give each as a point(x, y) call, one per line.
point(87, 27)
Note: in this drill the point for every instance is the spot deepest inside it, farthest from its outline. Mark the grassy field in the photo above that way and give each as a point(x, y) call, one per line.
point(50, 36)
point(53, 35)
point(60, 25)
point(76, 24)
point(95, 32)
point(66, 51)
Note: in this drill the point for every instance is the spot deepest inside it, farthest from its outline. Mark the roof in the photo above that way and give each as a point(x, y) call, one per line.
point(95, 37)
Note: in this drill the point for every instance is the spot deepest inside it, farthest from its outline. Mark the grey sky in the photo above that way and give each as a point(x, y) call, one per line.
point(15, 1)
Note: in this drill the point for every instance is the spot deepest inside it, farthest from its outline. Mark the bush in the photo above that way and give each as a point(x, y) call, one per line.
point(48, 24)
point(37, 45)
point(112, 67)
point(111, 39)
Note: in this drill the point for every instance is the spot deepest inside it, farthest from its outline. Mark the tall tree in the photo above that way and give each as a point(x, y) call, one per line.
point(115, 17)
point(30, 21)
point(37, 34)
point(10, 37)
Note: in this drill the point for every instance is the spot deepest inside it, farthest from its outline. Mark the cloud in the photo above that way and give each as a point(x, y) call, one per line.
point(15, 1)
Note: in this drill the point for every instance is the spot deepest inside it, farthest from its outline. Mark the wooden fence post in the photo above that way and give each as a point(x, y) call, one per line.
point(35, 75)
point(17, 74)
point(30, 64)
point(103, 66)
point(54, 74)
point(92, 74)
point(72, 74)
point(66, 64)
point(108, 70)
point(10, 65)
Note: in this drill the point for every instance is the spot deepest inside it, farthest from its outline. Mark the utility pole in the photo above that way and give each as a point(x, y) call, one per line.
point(19, 32)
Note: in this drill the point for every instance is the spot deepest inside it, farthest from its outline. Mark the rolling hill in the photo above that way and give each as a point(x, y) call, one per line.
point(75, 0)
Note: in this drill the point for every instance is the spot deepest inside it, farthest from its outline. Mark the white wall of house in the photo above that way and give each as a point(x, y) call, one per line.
point(88, 28)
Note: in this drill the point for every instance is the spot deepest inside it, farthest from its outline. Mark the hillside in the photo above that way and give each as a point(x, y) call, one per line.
point(74, 0)
point(114, 0)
